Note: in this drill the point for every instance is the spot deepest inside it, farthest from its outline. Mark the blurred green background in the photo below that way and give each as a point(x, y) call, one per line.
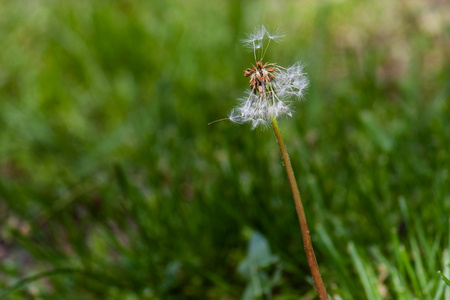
point(113, 186)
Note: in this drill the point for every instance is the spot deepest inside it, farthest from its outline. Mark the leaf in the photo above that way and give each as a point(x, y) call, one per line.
point(446, 280)
point(258, 256)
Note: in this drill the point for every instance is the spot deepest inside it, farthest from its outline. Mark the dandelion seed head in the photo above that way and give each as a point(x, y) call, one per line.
point(272, 87)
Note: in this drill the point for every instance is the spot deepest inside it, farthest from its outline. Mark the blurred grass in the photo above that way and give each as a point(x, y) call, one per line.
point(113, 187)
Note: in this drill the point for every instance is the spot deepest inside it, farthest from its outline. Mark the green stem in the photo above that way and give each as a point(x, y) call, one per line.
point(311, 258)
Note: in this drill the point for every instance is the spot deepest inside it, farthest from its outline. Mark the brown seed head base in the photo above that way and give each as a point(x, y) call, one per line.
point(259, 75)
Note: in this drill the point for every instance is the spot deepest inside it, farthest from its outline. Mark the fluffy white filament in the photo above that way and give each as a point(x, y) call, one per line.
point(278, 93)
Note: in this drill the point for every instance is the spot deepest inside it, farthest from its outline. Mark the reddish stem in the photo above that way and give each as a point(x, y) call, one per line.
point(310, 256)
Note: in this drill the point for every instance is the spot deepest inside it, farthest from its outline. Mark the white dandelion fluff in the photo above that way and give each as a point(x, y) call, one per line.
point(272, 87)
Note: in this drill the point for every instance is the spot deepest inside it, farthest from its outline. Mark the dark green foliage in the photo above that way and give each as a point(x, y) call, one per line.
point(112, 186)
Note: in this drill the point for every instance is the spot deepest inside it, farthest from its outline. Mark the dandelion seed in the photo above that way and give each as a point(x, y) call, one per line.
point(272, 87)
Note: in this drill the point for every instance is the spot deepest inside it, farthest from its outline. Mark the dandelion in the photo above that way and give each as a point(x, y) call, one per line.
point(272, 90)
point(272, 87)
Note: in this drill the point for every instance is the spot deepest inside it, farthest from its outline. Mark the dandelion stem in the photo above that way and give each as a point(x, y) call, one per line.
point(310, 256)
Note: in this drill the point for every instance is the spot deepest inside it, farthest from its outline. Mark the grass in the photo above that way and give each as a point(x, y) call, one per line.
point(112, 186)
